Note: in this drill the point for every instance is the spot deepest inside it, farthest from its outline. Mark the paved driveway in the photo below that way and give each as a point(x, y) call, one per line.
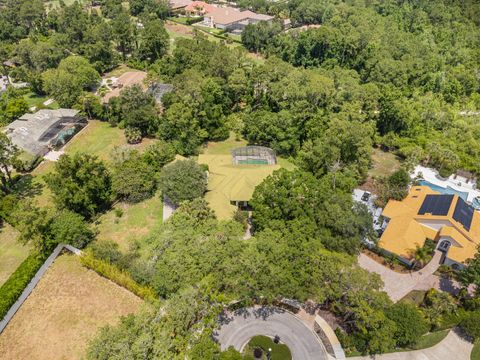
point(453, 347)
point(238, 328)
point(398, 285)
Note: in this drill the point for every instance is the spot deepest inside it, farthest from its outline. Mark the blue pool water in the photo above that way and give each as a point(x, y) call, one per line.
point(448, 190)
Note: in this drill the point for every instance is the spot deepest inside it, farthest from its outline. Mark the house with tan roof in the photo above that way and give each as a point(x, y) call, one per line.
point(224, 17)
point(424, 214)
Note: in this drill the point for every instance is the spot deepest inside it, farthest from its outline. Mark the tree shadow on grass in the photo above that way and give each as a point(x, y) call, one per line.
point(26, 187)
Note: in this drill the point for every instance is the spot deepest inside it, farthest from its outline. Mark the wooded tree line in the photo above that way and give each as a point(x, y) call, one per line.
point(382, 73)
point(421, 58)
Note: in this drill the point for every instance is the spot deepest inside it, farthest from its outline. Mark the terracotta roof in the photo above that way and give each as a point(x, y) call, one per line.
point(201, 6)
point(407, 228)
point(225, 15)
point(125, 80)
point(178, 4)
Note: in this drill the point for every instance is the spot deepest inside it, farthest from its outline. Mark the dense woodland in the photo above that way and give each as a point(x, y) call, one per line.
point(404, 75)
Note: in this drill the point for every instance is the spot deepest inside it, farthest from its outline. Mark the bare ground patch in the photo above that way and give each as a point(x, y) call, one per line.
point(64, 312)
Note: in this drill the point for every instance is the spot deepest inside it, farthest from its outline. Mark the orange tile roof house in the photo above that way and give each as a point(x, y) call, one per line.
point(425, 214)
point(224, 18)
point(125, 80)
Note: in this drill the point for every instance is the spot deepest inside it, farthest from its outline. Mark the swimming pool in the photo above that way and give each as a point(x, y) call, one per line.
point(448, 190)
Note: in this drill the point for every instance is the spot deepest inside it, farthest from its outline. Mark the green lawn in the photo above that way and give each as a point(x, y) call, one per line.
point(384, 163)
point(12, 253)
point(475, 355)
point(33, 99)
point(100, 139)
point(224, 147)
point(137, 221)
point(430, 339)
point(279, 351)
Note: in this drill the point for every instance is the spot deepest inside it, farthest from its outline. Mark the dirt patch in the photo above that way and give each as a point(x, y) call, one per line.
point(179, 28)
point(64, 312)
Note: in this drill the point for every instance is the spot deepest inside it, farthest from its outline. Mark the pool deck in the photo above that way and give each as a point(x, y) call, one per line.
point(459, 183)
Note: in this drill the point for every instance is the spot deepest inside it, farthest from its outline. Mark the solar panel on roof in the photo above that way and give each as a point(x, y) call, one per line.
point(436, 205)
point(463, 214)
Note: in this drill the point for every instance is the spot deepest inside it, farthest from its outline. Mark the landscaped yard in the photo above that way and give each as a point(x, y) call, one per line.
point(64, 312)
point(279, 351)
point(33, 99)
point(136, 222)
point(430, 339)
point(100, 139)
point(12, 252)
point(384, 163)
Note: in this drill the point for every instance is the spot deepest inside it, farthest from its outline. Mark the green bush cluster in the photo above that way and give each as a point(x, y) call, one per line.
point(16, 283)
point(118, 276)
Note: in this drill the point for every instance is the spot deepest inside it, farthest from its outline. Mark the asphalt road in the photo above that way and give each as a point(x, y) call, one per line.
point(238, 328)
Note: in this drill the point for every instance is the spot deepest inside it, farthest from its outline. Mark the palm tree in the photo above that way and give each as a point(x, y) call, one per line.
point(421, 255)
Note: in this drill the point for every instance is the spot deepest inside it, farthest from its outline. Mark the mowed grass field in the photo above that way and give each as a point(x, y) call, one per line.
point(100, 139)
point(137, 222)
point(12, 252)
point(64, 312)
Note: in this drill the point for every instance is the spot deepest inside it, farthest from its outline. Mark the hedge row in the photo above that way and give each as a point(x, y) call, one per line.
point(118, 276)
point(16, 283)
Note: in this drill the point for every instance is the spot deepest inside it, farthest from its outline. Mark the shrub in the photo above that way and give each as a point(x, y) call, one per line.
point(118, 276)
point(118, 212)
point(16, 283)
point(410, 323)
point(133, 135)
point(133, 180)
point(471, 325)
point(159, 154)
point(183, 180)
point(70, 228)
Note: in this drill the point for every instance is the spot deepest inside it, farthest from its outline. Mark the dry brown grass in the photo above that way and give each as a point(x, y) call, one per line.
point(64, 312)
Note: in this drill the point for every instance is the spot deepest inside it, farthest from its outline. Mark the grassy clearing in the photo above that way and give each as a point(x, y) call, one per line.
point(100, 139)
point(137, 221)
point(12, 253)
point(224, 147)
point(36, 100)
point(384, 163)
point(64, 312)
point(279, 351)
point(475, 355)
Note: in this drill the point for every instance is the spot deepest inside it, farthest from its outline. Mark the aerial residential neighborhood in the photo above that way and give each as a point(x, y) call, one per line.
point(239, 180)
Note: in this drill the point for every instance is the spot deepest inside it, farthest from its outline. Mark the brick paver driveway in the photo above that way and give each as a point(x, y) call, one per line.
point(238, 328)
point(398, 285)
